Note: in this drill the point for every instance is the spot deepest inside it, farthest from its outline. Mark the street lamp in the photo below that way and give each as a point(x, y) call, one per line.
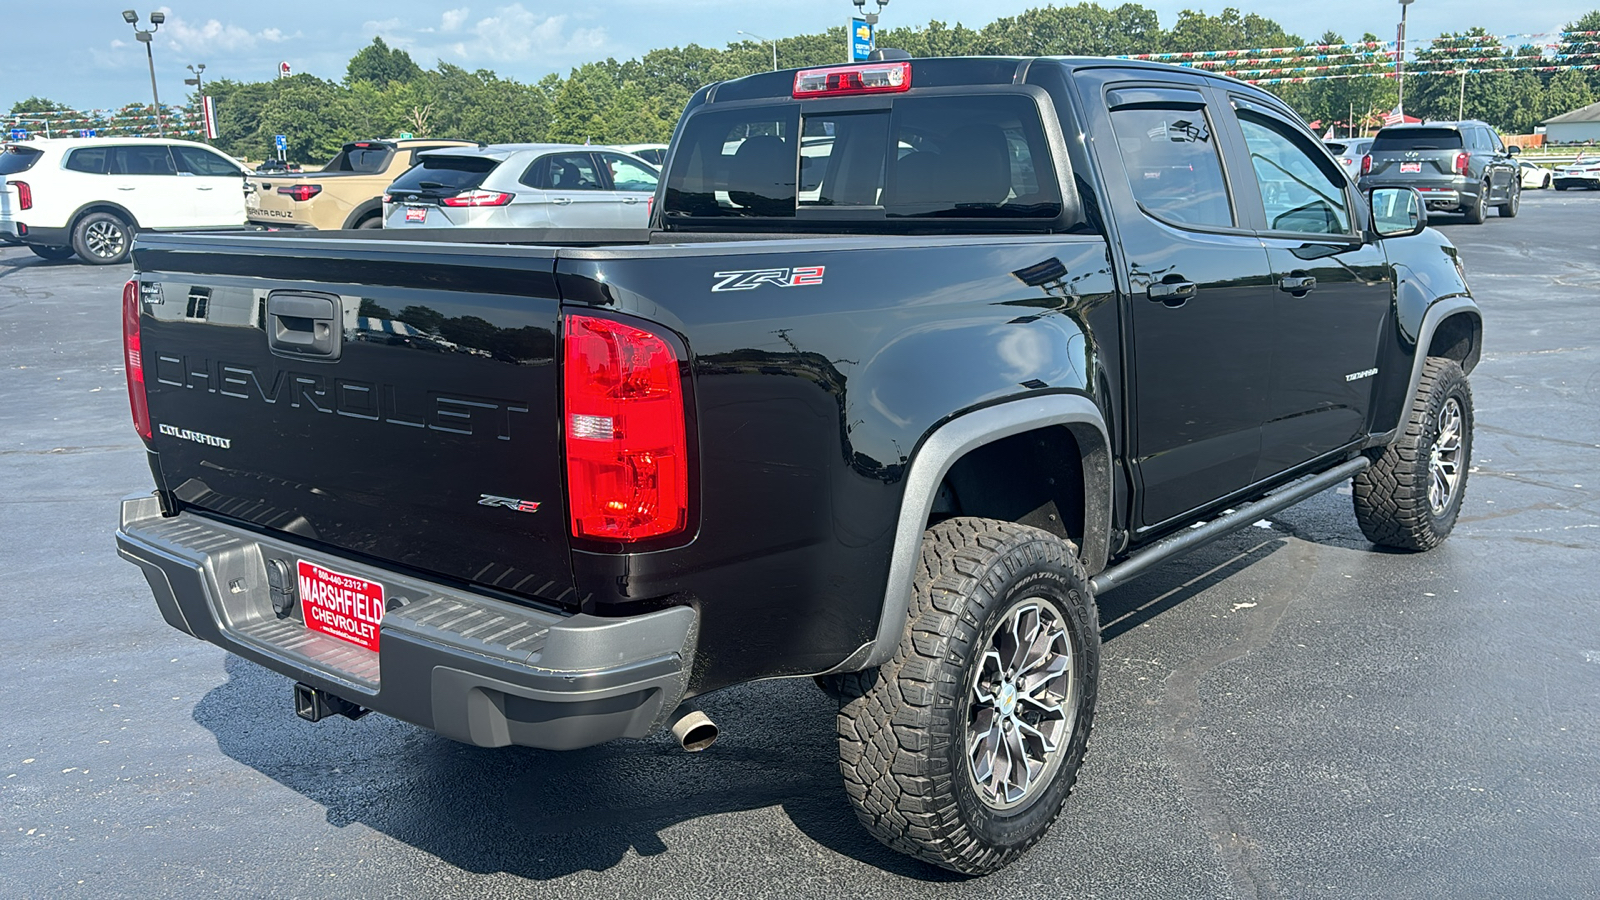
point(156, 18)
point(1400, 57)
point(767, 40)
point(198, 71)
point(872, 18)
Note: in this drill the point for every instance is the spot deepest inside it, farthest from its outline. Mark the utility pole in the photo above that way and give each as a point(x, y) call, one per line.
point(1461, 107)
point(1400, 56)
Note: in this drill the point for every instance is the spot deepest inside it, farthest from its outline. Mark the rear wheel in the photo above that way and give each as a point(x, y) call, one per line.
point(374, 221)
point(961, 749)
point(102, 239)
point(1513, 204)
point(1479, 211)
point(44, 252)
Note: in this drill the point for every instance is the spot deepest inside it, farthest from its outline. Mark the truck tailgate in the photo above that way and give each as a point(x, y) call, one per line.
point(411, 419)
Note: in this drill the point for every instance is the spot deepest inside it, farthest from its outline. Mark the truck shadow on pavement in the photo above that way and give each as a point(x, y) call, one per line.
point(544, 815)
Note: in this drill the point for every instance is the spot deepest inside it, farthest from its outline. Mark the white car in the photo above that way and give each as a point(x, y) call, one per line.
point(1534, 176)
point(654, 154)
point(522, 186)
point(1584, 173)
point(90, 195)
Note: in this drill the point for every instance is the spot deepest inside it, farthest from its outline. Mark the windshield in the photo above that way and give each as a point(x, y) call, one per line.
point(446, 173)
point(18, 159)
point(1417, 139)
point(371, 159)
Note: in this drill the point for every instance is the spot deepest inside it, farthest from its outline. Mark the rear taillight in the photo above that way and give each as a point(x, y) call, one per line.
point(838, 81)
point(626, 438)
point(478, 198)
point(1462, 160)
point(650, 207)
point(301, 192)
point(1366, 164)
point(133, 358)
point(388, 198)
point(24, 194)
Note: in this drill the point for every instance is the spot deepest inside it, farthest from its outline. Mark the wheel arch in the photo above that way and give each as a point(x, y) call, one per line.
point(106, 206)
point(1451, 328)
point(373, 207)
point(1057, 420)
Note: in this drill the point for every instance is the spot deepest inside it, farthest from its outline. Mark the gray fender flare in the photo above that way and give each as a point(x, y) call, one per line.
point(1436, 314)
point(942, 449)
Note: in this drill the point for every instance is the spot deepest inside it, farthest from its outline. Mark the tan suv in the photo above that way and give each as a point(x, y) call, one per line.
point(347, 193)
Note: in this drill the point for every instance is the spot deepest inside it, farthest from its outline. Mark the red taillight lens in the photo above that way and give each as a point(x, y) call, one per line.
point(301, 192)
point(837, 81)
point(626, 440)
point(1366, 164)
point(133, 358)
point(24, 194)
point(1462, 161)
point(650, 207)
point(478, 198)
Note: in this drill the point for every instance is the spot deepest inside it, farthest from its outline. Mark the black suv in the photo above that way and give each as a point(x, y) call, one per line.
point(1457, 166)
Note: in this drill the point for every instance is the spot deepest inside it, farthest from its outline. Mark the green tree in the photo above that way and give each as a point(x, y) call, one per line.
point(382, 65)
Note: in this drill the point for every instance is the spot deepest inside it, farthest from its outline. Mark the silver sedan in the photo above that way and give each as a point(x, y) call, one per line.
point(522, 186)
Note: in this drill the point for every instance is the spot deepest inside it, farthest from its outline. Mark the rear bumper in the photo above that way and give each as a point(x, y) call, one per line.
point(1583, 181)
point(28, 234)
point(474, 669)
point(1451, 193)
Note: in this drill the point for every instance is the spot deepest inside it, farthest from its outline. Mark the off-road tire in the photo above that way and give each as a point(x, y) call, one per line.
point(102, 239)
point(48, 252)
point(903, 727)
point(1513, 204)
point(1392, 496)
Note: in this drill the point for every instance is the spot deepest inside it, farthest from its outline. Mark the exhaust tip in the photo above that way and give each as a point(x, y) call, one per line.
point(694, 730)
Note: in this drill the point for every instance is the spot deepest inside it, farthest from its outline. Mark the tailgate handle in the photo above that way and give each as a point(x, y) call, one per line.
point(304, 326)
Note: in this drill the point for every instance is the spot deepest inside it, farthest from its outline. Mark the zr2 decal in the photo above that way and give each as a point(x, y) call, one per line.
point(523, 506)
point(750, 279)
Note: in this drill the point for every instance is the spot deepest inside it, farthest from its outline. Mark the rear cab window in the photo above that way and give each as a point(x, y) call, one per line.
point(1417, 139)
point(361, 158)
point(16, 159)
point(976, 156)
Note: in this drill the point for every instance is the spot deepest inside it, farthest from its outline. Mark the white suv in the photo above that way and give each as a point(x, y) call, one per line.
point(88, 196)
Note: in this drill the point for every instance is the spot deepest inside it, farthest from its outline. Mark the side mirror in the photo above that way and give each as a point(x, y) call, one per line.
point(1397, 212)
point(1514, 150)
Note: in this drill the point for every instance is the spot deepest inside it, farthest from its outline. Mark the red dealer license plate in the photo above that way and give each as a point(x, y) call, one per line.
point(1410, 167)
point(340, 605)
point(416, 214)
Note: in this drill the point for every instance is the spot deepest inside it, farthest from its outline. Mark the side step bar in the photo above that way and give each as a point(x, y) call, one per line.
point(1178, 544)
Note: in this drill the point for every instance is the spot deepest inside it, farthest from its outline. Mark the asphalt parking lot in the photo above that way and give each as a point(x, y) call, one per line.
point(1289, 713)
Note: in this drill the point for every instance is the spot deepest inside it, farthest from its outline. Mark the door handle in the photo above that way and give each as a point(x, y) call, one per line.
point(562, 201)
point(1173, 294)
point(125, 189)
point(1298, 285)
point(202, 188)
point(630, 200)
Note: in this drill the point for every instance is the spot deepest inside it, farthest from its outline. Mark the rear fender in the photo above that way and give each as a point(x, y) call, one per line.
point(942, 449)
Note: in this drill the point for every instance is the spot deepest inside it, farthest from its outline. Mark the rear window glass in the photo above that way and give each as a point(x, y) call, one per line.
point(1174, 165)
point(18, 159)
point(1417, 139)
point(1335, 149)
point(928, 157)
point(446, 173)
point(364, 160)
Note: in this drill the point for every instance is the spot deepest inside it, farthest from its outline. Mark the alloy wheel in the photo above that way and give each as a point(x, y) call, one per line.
point(1022, 705)
point(1444, 460)
point(105, 240)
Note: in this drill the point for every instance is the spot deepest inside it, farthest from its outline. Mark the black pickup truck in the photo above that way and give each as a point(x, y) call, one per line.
point(916, 359)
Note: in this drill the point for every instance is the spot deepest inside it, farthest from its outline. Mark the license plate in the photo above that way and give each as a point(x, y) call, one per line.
point(341, 606)
point(1410, 167)
point(416, 214)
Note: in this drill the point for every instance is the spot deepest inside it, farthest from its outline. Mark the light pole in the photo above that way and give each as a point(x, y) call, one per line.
point(156, 18)
point(1400, 57)
point(872, 18)
point(766, 40)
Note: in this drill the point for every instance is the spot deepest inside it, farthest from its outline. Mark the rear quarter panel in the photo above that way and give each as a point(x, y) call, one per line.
point(812, 400)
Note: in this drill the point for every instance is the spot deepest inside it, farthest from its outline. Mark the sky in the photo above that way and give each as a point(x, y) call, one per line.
point(81, 52)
